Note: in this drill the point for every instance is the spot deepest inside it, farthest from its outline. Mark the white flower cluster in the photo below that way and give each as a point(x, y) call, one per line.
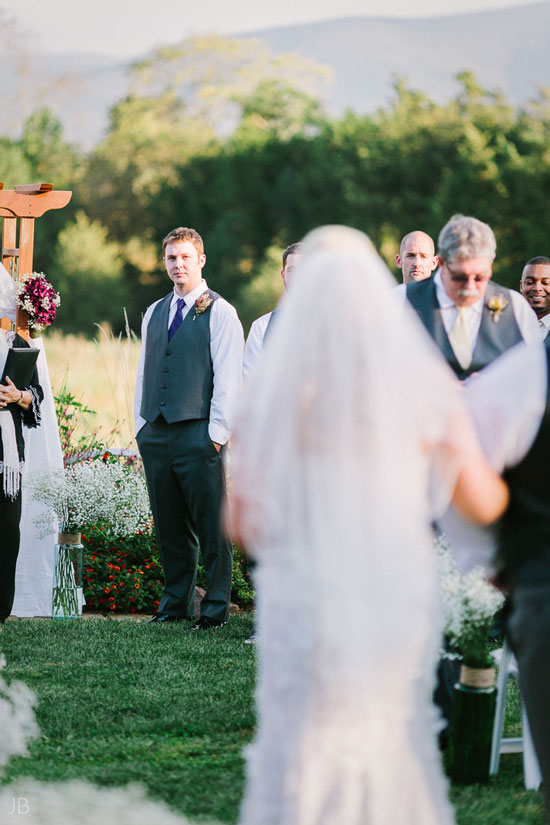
point(93, 492)
point(469, 601)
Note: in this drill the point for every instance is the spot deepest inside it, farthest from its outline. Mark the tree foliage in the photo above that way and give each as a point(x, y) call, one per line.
point(223, 136)
point(87, 269)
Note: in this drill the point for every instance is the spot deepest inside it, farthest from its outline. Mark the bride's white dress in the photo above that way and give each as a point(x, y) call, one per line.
point(346, 730)
point(332, 460)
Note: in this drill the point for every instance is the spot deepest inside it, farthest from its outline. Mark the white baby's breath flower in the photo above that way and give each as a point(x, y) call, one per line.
point(469, 603)
point(93, 492)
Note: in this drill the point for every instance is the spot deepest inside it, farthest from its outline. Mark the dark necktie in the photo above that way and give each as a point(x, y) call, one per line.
point(176, 322)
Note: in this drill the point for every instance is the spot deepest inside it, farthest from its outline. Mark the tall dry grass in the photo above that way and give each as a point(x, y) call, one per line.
point(101, 375)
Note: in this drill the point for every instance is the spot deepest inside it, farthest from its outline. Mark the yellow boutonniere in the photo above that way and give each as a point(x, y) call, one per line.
point(202, 303)
point(495, 305)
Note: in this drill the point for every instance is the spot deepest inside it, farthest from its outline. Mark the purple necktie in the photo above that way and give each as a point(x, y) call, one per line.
point(176, 323)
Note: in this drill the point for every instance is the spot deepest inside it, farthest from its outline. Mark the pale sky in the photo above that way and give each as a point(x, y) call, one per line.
point(130, 28)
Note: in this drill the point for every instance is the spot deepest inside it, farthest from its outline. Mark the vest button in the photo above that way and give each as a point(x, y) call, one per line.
point(163, 403)
point(168, 352)
point(164, 386)
point(165, 369)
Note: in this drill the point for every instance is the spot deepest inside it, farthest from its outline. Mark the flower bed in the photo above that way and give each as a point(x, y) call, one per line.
point(121, 575)
point(124, 575)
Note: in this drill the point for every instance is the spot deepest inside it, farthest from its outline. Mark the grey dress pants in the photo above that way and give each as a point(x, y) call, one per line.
point(186, 484)
point(528, 629)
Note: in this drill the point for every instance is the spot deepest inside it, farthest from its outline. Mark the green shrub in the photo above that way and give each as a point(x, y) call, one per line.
point(124, 575)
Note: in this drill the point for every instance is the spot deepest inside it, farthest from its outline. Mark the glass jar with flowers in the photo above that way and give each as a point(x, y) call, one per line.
point(470, 603)
point(103, 492)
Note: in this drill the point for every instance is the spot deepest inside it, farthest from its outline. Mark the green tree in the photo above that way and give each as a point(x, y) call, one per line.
point(276, 110)
point(87, 270)
point(14, 165)
point(51, 158)
point(262, 293)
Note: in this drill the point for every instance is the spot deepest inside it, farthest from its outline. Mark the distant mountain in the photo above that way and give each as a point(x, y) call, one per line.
point(507, 49)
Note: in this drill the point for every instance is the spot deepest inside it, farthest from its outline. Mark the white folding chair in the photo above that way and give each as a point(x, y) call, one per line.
point(512, 744)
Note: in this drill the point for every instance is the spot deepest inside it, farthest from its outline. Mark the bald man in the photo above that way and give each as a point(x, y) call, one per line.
point(416, 259)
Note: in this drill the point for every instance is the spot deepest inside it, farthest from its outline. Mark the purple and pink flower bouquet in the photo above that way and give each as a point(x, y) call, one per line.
point(38, 298)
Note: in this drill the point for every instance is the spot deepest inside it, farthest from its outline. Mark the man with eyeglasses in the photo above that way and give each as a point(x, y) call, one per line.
point(471, 319)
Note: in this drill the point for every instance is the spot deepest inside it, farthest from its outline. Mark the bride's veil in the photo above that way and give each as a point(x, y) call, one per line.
point(350, 382)
point(330, 469)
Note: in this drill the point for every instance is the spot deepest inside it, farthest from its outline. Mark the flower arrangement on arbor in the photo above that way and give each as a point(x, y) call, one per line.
point(469, 604)
point(38, 298)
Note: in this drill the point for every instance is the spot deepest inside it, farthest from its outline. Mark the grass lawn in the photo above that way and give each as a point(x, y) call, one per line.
point(123, 701)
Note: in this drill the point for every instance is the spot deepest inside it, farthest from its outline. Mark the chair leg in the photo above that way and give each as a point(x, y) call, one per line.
point(498, 725)
point(531, 770)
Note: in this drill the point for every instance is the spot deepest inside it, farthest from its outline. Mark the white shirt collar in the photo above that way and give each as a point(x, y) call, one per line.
point(545, 320)
point(447, 303)
point(192, 296)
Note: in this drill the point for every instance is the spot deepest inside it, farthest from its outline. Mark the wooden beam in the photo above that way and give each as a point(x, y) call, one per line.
point(33, 188)
point(25, 205)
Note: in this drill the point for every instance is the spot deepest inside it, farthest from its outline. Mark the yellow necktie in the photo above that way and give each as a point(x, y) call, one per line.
point(460, 339)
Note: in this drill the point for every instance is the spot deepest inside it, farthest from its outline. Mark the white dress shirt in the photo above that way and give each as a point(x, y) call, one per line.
point(226, 350)
point(507, 401)
point(525, 317)
point(544, 326)
point(254, 346)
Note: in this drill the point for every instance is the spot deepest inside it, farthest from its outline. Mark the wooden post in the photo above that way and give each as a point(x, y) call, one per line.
point(24, 204)
point(9, 252)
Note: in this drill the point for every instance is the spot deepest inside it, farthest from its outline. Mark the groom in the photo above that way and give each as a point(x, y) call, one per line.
point(189, 376)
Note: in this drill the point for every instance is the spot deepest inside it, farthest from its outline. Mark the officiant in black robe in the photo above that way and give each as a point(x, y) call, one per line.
point(19, 406)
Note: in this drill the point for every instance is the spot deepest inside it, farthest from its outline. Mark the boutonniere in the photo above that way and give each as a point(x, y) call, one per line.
point(495, 305)
point(202, 303)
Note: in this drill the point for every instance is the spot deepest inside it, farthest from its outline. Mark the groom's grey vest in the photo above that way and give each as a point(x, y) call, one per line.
point(493, 339)
point(524, 530)
point(178, 377)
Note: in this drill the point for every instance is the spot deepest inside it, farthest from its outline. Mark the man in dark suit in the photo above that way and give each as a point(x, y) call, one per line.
point(510, 406)
point(471, 319)
point(189, 377)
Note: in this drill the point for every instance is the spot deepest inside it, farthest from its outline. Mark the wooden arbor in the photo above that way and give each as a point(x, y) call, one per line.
point(19, 208)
